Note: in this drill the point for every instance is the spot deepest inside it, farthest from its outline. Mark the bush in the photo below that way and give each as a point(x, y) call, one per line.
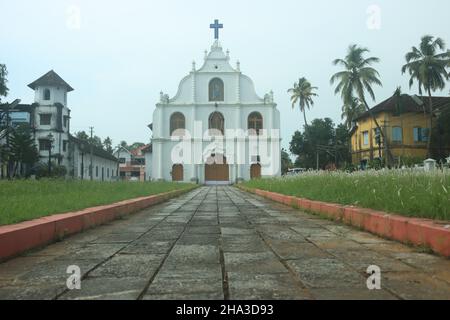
point(409, 162)
point(41, 171)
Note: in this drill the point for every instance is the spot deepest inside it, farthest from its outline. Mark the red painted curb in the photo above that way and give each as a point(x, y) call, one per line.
point(20, 237)
point(419, 232)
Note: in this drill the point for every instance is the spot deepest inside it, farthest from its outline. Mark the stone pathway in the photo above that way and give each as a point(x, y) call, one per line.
point(222, 243)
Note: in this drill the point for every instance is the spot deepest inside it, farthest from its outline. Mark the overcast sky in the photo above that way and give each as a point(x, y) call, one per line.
point(118, 55)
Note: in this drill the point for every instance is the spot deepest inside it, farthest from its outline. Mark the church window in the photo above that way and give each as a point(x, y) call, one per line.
point(255, 122)
point(46, 94)
point(216, 122)
point(45, 119)
point(177, 122)
point(216, 90)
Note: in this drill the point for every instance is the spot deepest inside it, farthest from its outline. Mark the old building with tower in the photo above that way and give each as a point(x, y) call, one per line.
point(49, 118)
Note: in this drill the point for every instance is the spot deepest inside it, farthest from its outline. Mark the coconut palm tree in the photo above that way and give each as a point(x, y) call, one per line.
point(351, 111)
point(302, 92)
point(427, 66)
point(356, 79)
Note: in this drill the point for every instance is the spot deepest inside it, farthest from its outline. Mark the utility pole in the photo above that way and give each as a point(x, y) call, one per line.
point(91, 171)
point(317, 160)
point(335, 149)
point(118, 163)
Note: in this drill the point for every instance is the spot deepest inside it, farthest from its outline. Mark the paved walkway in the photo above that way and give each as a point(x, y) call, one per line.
point(222, 243)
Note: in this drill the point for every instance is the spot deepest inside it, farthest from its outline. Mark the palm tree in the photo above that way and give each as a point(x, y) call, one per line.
point(357, 78)
point(428, 67)
point(351, 111)
point(302, 92)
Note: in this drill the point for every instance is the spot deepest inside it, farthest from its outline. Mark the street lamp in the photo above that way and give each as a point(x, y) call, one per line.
point(82, 149)
point(50, 145)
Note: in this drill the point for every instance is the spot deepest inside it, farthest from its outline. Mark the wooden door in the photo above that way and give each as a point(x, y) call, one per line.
point(255, 171)
point(177, 172)
point(217, 171)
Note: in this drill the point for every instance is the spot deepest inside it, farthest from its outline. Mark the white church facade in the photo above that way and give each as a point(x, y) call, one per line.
point(216, 129)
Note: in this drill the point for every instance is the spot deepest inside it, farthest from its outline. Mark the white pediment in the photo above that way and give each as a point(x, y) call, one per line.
point(193, 89)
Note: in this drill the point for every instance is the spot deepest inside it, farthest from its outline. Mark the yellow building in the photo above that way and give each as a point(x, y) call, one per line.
point(405, 123)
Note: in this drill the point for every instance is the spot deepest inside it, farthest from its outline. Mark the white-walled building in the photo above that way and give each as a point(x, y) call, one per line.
point(132, 163)
point(148, 155)
point(49, 118)
point(228, 133)
point(104, 164)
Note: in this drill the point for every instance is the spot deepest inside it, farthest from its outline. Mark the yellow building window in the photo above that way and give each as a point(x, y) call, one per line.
point(365, 135)
point(420, 134)
point(397, 135)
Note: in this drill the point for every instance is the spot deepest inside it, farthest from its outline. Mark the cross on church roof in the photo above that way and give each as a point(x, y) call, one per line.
point(216, 26)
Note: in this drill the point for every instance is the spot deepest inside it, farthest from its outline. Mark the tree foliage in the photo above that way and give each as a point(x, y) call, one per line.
point(3, 88)
point(286, 162)
point(321, 138)
point(440, 143)
point(23, 151)
point(356, 80)
point(95, 140)
point(107, 145)
point(427, 65)
point(302, 93)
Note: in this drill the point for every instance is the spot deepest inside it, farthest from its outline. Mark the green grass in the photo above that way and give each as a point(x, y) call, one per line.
point(409, 193)
point(23, 200)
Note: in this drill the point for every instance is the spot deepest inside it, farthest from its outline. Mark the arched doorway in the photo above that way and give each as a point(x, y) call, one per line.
point(217, 170)
point(255, 171)
point(177, 172)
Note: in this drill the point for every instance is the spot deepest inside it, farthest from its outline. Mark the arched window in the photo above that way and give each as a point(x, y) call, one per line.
point(216, 121)
point(177, 122)
point(216, 90)
point(47, 94)
point(255, 122)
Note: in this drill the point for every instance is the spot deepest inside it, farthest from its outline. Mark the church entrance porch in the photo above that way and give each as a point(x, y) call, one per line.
point(217, 171)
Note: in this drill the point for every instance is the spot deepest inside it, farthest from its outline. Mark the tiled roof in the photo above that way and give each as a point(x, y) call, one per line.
point(99, 152)
point(408, 104)
point(139, 151)
point(51, 78)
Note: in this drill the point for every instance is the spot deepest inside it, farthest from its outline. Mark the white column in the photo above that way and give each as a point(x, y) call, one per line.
point(239, 143)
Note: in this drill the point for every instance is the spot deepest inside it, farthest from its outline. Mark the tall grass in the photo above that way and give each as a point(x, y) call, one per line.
point(407, 192)
point(28, 199)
